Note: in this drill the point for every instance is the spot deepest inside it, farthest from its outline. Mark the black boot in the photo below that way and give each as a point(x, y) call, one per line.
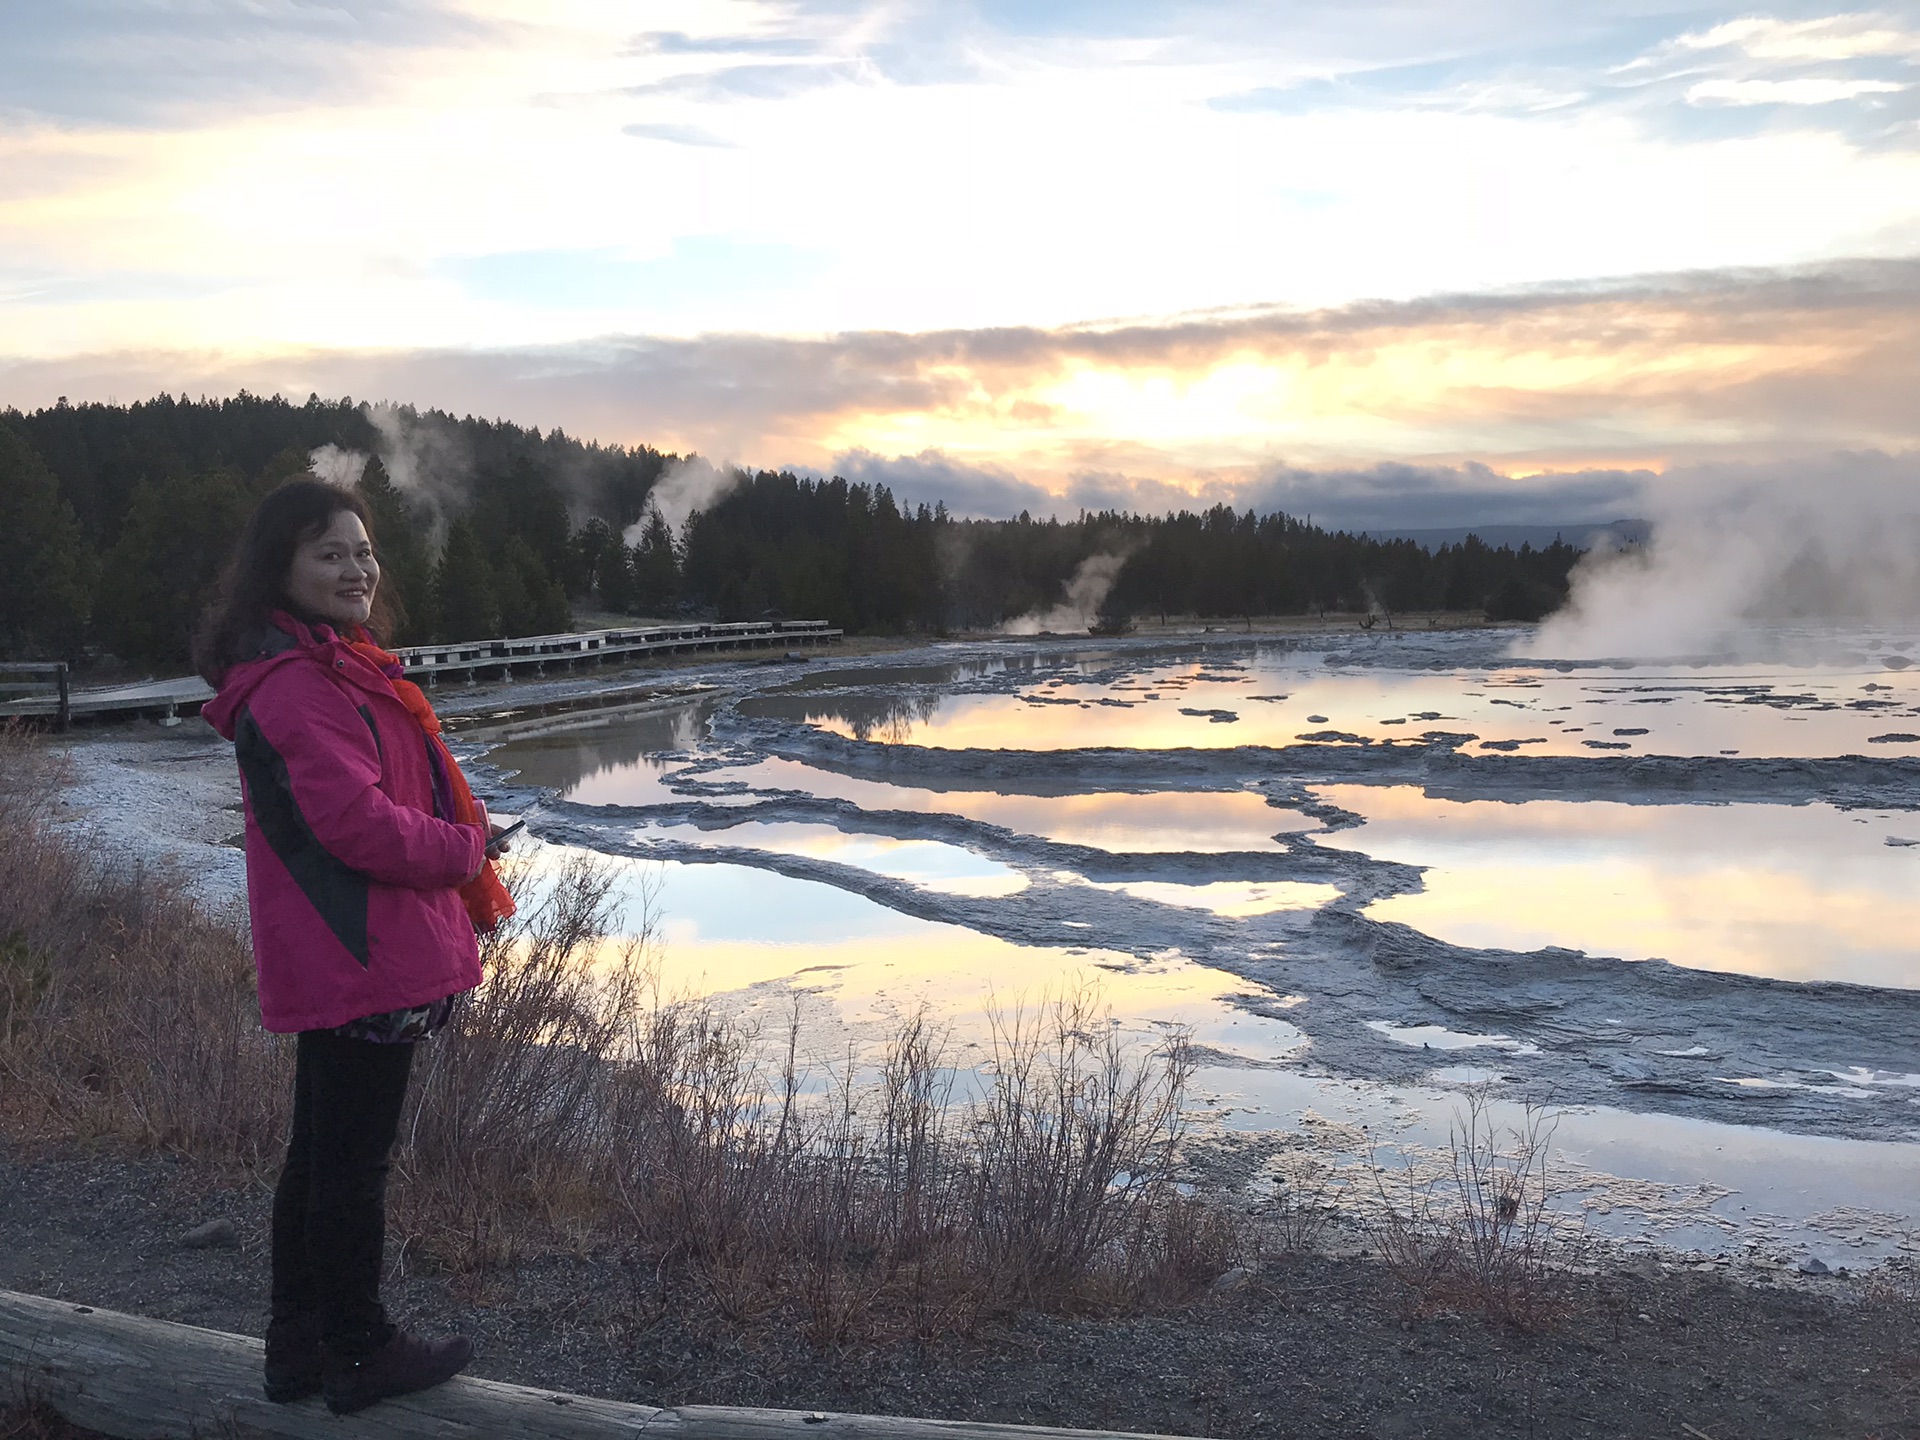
point(294, 1357)
point(404, 1364)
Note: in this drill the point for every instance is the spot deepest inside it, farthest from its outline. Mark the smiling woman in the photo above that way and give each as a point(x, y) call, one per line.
point(368, 876)
point(308, 545)
point(333, 575)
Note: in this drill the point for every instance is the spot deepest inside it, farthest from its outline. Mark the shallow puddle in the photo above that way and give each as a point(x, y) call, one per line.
point(1233, 899)
point(1625, 1175)
point(1281, 698)
point(728, 930)
point(930, 864)
point(1800, 892)
point(1201, 822)
point(1438, 1037)
point(617, 763)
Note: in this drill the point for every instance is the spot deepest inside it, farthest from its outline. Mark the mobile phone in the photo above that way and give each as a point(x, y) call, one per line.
point(493, 845)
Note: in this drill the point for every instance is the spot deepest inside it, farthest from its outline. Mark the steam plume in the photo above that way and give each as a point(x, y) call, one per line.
point(338, 467)
point(1739, 550)
point(427, 462)
point(684, 487)
point(1086, 592)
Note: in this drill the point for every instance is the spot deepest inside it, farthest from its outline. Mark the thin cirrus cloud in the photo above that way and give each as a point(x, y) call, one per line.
point(747, 82)
point(1774, 73)
point(593, 280)
point(676, 134)
point(679, 42)
point(143, 64)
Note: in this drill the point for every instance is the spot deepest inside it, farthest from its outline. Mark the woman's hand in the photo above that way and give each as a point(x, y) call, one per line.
point(494, 830)
point(488, 829)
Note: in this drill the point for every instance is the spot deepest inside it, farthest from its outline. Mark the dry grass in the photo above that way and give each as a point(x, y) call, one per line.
point(1896, 1284)
point(569, 1103)
point(126, 1010)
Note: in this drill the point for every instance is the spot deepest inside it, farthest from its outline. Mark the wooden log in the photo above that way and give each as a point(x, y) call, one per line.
point(140, 1379)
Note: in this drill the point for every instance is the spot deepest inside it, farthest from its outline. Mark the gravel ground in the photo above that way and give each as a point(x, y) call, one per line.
point(1309, 1347)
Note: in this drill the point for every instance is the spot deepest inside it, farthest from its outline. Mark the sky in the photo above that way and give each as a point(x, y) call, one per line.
point(1393, 263)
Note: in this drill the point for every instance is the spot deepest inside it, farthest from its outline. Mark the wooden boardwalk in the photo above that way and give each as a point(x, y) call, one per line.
point(125, 1376)
point(466, 663)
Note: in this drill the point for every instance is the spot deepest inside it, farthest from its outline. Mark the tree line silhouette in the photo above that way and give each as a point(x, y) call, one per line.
point(119, 517)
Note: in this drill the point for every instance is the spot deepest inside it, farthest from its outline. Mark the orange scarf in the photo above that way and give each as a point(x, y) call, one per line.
point(486, 898)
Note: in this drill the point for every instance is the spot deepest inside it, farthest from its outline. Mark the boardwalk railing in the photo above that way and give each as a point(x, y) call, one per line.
point(125, 1376)
point(468, 661)
point(473, 658)
point(46, 682)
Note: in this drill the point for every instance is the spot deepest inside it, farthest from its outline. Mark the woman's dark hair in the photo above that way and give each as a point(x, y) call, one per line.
point(253, 585)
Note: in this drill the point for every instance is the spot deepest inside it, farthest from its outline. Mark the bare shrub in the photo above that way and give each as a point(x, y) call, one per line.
point(505, 1138)
point(1295, 1219)
point(1413, 1236)
point(1480, 1236)
point(891, 1208)
point(1501, 1190)
point(1077, 1146)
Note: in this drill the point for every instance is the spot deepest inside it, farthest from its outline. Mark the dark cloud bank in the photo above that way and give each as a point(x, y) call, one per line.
point(1427, 502)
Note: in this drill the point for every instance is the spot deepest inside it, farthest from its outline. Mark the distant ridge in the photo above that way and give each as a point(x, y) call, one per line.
point(1582, 534)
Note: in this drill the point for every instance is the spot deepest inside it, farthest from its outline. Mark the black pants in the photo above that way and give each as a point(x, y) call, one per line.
point(330, 1207)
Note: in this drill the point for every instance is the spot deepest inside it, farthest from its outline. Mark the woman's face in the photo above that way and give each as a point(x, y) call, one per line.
point(333, 575)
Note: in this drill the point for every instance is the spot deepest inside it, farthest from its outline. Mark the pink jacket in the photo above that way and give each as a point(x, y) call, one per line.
point(351, 875)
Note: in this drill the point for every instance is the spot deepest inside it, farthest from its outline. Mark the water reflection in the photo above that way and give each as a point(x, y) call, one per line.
point(890, 716)
point(613, 764)
point(753, 935)
point(1231, 899)
point(1438, 1037)
point(1795, 892)
point(1804, 893)
point(948, 673)
point(1284, 698)
point(1198, 821)
point(950, 869)
point(1693, 1184)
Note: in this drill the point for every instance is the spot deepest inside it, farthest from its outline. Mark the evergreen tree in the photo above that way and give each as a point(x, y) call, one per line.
point(463, 586)
point(45, 587)
point(532, 602)
point(163, 570)
point(591, 546)
point(406, 572)
point(614, 574)
point(538, 517)
point(656, 569)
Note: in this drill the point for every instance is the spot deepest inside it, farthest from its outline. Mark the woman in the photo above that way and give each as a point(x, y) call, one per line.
point(367, 876)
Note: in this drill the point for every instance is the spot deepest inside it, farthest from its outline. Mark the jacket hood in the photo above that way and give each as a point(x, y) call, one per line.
point(284, 641)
